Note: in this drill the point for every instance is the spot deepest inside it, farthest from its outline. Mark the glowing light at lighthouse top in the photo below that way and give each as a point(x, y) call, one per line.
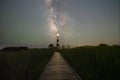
point(58, 34)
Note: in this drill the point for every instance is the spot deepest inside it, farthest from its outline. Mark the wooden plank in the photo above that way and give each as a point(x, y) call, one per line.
point(58, 69)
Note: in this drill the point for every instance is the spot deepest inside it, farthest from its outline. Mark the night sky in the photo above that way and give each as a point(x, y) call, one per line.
point(88, 22)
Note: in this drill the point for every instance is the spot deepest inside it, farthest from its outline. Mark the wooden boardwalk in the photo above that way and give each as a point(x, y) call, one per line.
point(58, 69)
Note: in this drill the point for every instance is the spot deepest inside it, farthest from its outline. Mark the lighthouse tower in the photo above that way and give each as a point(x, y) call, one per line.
point(57, 44)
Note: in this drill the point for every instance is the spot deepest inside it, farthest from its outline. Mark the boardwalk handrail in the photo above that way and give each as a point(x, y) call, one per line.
point(55, 68)
point(45, 68)
point(78, 77)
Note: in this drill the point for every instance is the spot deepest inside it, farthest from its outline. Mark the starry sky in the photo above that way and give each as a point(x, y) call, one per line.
point(89, 22)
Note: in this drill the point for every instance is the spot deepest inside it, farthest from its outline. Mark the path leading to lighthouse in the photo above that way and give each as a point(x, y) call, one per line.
point(58, 69)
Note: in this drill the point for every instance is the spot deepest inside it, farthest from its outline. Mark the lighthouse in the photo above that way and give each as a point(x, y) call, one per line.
point(57, 43)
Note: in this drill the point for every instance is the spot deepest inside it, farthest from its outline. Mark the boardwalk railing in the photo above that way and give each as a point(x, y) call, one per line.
point(58, 69)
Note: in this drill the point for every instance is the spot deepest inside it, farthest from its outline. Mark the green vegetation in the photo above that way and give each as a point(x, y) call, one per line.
point(23, 64)
point(95, 63)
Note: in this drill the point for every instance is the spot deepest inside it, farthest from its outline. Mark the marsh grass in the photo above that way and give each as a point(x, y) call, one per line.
point(23, 65)
point(95, 63)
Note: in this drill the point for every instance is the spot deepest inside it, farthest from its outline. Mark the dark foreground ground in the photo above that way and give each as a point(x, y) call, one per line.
point(91, 63)
point(95, 63)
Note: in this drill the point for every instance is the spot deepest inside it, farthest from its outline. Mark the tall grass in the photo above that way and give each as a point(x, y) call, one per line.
point(23, 65)
point(95, 63)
